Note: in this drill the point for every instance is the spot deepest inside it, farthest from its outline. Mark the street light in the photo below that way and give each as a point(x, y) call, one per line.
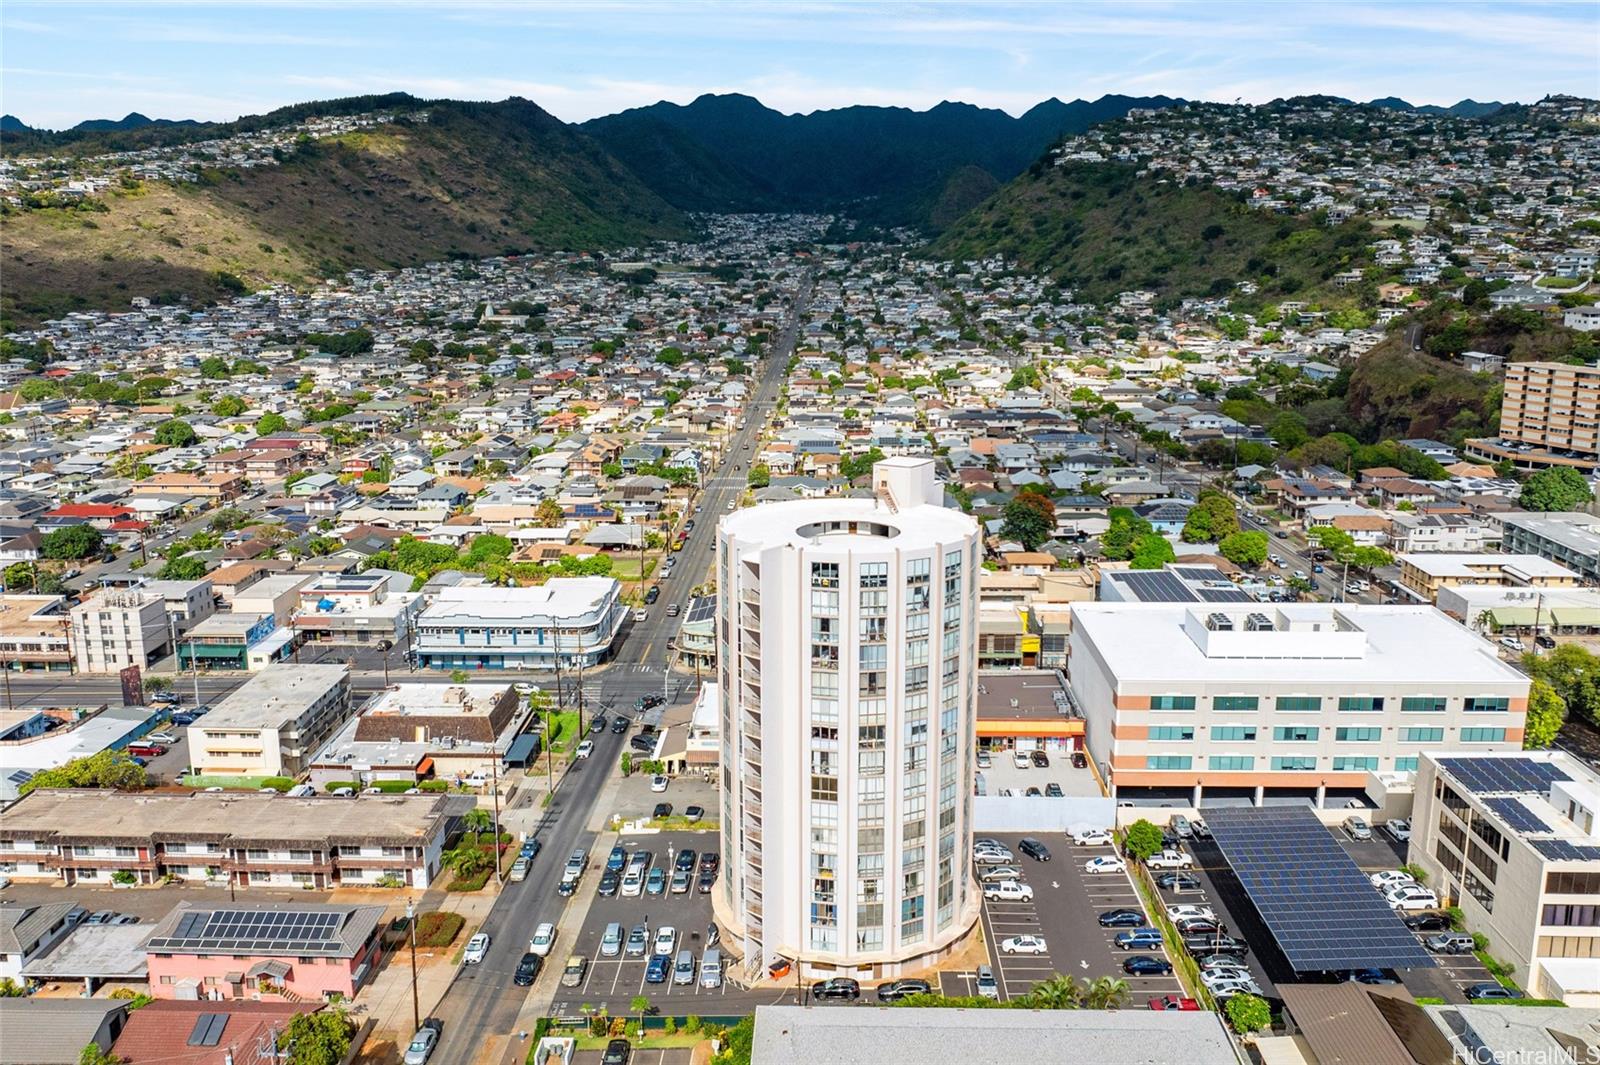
point(411, 928)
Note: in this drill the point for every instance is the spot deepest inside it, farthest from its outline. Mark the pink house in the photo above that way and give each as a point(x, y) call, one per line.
point(293, 952)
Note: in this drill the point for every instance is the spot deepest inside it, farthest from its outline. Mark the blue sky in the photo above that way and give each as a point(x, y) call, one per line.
point(61, 62)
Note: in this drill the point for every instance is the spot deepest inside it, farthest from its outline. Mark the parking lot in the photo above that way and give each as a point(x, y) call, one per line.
point(1064, 911)
point(611, 983)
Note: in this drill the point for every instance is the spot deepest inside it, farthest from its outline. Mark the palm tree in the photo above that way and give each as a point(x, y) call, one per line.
point(1105, 993)
point(466, 860)
point(1057, 993)
point(640, 1005)
point(477, 819)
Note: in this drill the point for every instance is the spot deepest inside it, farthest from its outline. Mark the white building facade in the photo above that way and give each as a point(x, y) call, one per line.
point(847, 638)
point(559, 624)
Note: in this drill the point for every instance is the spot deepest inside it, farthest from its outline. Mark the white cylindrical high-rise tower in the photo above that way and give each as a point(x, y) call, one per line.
point(847, 650)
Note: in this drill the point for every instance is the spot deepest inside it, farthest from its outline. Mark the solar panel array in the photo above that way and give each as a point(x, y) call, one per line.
point(700, 609)
point(1515, 813)
point(1560, 850)
point(1320, 907)
point(1225, 595)
point(255, 932)
point(1505, 775)
point(1155, 586)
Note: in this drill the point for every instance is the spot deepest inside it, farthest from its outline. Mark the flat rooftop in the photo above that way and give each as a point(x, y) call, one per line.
point(1573, 530)
point(438, 699)
point(558, 597)
point(81, 814)
point(847, 522)
point(1016, 695)
point(273, 697)
point(1470, 565)
point(1307, 643)
point(798, 1035)
point(33, 615)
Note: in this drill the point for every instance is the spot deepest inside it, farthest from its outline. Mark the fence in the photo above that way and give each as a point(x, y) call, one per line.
point(1024, 813)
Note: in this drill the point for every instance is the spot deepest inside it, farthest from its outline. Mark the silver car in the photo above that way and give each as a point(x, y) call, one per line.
point(1358, 829)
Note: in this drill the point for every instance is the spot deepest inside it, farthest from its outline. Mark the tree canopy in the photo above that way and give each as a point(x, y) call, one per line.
point(1211, 520)
point(1030, 519)
point(175, 432)
point(72, 542)
point(107, 769)
point(1244, 548)
point(1557, 488)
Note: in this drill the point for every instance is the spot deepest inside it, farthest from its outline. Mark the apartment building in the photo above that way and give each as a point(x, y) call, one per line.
point(415, 732)
point(1424, 574)
point(33, 634)
point(1306, 700)
point(1550, 417)
point(357, 608)
point(1514, 840)
point(271, 725)
point(117, 629)
point(567, 620)
point(848, 661)
point(242, 838)
point(1571, 538)
point(1452, 533)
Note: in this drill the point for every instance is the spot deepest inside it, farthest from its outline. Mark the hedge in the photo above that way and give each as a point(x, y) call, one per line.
point(388, 787)
point(438, 928)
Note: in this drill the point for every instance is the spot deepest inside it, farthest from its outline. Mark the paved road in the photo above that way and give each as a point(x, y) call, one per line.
point(482, 1000)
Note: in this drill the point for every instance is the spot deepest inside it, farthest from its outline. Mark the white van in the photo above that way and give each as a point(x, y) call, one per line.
point(301, 791)
point(711, 968)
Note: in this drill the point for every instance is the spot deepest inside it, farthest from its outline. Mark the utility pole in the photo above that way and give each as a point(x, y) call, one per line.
point(411, 926)
point(494, 786)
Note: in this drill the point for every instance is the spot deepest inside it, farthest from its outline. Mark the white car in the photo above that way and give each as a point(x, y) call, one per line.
point(1106, 863)
point(1021, 760)
point(633, 883)
point(1229, 988)
point(1008, 891)
point(161, 737)
point(1091, 837)
point(1411, 897)
point(1399, 829)
point(524, 688)
point(477, 947)
point(1390, 878)
point(1511, 642)
point(1213, 977)
point(544, 937)
point(658, 783)
point(585, 749)
point(640, 614)
point(1169, 860)
point(1185, 910)
point(1023, 945)
point(666, 941)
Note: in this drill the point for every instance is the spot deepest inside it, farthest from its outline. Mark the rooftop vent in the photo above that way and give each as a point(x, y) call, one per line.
point(1258, 623)
point(1219, 622)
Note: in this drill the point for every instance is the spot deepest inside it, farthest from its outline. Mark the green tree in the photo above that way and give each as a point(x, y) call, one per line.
point(1126, 527)
point(183, 568)
point(229, 406)
point(1030, 519)
point(320, 1038)
point(1547, 712)
point(760, 475)
point(1244, 548)
point(1248, 1013)
point(72, 542)
point(1143, 839)
point(214, 368)
point(1338, 543)
point(477, 819)
point(1369, 558)
point(1557, 488)
point(640, 1004)
point(1151, 551)
point(93, 1055)
point(467, 860)
point(108, 769)
point(1212, 519)
point(549, 514)
point(739, 1042)
point(268, 424)
point(1105, 993)
point(1574, 673)
point(855, 466)
point(175, 432)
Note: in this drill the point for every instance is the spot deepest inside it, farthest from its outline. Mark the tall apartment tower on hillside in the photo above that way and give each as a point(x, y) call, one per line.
point(847, 636)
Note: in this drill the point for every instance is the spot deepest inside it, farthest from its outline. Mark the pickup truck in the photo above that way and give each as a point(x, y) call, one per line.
point(1008, 891)
point(1169, 859)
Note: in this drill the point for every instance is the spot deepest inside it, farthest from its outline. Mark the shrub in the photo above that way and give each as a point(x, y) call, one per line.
point(124, 876)
point(1415, 872)
point(438, 928)
point(277, 783)
point(1143, 839)
point(691, 1024)
point(1480, 941)
point(670, 1026)
point(1248, 1013)
point(434, 785)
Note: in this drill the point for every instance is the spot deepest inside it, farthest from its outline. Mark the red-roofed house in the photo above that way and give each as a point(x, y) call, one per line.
point(172, 1032)
point(100, 515)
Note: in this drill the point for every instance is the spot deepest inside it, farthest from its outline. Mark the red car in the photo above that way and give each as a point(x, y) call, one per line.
point(146, 750)
point(1173, 1002)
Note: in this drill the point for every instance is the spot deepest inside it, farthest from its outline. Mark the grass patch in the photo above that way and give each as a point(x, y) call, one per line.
point(1520, 1002)
point(1429, 1000)
point(677, 823)
point(563, 727)
point(474, 882)
point(1188, 972)
point(438, 928)
point(252, 783)
point(1498, 969)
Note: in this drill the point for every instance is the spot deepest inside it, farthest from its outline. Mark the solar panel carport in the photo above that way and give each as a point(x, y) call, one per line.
point(1320, 908)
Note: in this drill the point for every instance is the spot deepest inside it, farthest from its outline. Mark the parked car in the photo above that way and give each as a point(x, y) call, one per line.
point(680, 882)
point(611, 942)
point(1427, 922)
point(655, 970)
point(996, 873)
point(1023, 945)
point(1008, 891)
point(162, 737)
point(1450, 943)
point(527, 970)
point(1186, 911)
point(1020, 759)
point(1034, 849)
point(1512, 643)
point(585, 749)
point(1357, 829)
point(1105, 863)
point(839, 987)
point(658, 783)
point(985, 983)
point(993, 856)
point(638, 941)
point(1399, 829)
point(1546, 642)
point(619, 725)
point(656, 882)
point(662, 809)
point(1039, 759)
point(519, 869)
point(544, 937)
point(899, 989)
point(572, 975)
point(618, 1051)
point(477, 948)
point(1216, 944)
point(1053, 790)
point(1174, 1002)
point(1486, 991)
point(1372, 977)
point(1389, 878)
point(1121, 918)
point(1181, 827)
point(1411, 897)
point(598, 724)
point(529, 849)
point(1091, 837)
point(694, 813)
point(685, 860)
point(1139, 939)
point(1197, 926)
point(617, 860)
point(422, 1044)
point(1146, 965)
point(1178, 882)
point(666, 941)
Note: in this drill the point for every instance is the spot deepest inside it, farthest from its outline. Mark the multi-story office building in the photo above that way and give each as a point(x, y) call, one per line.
point(1183, 700)
point(1514, 840)
point(565, 621)
point(847, 634)
point(273, 724)
point(33, 634)
point(1570, 538)
point(1550, 417)
point(1424, 574)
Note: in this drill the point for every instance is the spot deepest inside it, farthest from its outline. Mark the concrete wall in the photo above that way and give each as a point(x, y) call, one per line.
point(1023, 813)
